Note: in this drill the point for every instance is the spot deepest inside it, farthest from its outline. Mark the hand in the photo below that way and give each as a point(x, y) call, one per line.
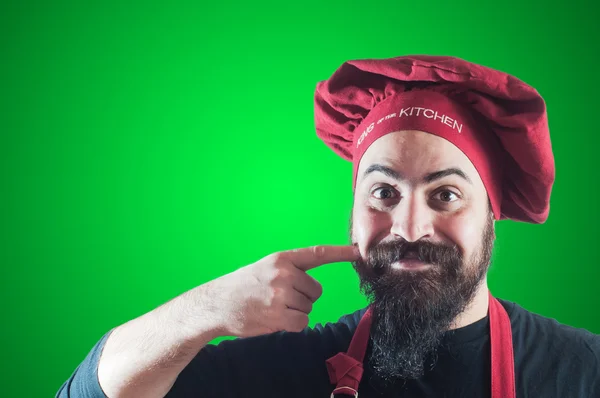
point(275, 293)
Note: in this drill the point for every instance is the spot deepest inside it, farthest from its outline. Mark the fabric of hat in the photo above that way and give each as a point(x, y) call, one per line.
point(498, 121)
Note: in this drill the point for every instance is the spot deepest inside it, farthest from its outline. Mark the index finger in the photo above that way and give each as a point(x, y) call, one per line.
point(312, 257)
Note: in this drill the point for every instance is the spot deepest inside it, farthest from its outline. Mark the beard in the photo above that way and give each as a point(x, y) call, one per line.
point(412, 309)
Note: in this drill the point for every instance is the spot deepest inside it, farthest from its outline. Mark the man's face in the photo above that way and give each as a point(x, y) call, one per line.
point(422, 222)
point(431, 201)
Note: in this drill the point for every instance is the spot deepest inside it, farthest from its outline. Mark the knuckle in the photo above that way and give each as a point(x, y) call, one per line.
point(270, 319)
point(309, 307)
point(277, 293)
point(318, 289)
point(281, 274)
point(301, 323)
point(273, 296)
point(318, 251)
point(276, 257)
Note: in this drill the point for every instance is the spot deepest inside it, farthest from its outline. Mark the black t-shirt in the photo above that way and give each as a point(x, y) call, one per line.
point(551, 360)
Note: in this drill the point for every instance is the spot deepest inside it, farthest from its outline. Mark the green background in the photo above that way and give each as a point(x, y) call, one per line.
point(147, 148)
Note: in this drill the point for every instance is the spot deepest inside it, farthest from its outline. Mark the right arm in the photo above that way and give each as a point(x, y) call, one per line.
point(144, 356)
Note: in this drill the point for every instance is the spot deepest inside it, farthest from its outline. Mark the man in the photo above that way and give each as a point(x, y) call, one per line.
point(441, 150)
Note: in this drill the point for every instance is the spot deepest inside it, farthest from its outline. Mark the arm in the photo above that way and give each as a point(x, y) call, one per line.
point(144, 356)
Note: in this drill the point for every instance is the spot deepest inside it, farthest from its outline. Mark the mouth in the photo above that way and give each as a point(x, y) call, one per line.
point(411, 255)
point(410, 261)
point(410, 264)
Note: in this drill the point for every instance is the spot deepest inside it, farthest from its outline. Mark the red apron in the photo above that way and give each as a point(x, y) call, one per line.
point(346, 368)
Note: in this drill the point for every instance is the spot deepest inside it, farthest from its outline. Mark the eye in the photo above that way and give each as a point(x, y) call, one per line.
point(383, 193)
point(446, 196)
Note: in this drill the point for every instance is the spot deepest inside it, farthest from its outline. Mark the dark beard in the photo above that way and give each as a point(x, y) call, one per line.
point(413, 309)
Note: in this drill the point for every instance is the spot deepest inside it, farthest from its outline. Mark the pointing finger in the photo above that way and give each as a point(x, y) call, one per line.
point(312, 257)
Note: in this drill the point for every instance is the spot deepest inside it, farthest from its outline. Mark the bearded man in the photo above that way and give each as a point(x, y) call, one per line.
point(441, 149)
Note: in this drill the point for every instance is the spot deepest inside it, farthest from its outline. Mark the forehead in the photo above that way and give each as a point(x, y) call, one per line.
point(415, 153)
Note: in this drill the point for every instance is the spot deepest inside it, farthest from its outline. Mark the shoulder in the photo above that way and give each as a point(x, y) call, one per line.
point(271, 363)
point(547, 350)
point(323, 339)
point(343, 329)
point(535, 329)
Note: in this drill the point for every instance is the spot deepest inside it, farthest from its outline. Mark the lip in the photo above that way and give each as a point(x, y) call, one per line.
point(411, 264)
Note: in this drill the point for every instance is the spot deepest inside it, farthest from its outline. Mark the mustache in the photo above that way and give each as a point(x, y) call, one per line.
point(439, 254)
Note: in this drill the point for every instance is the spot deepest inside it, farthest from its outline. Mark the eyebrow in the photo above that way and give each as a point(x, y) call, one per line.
point(428, 179)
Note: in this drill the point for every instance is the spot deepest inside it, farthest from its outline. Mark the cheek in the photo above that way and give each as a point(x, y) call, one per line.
point(367, 226)
point(462, 231)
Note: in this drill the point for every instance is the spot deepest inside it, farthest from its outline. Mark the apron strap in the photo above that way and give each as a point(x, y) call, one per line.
point(345, 369)
point(502, 354)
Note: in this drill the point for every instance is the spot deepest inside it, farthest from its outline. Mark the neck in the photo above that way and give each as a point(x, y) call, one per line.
point(476, 310)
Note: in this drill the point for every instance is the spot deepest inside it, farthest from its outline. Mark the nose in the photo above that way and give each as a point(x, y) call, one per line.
point(412, 219)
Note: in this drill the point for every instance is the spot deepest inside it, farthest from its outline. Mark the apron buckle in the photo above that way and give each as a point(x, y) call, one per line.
point(352, 391)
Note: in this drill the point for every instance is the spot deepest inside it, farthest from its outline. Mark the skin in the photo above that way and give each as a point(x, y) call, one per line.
point(448, 209)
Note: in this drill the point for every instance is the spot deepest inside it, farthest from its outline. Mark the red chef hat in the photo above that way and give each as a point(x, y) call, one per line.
point(499, 122)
